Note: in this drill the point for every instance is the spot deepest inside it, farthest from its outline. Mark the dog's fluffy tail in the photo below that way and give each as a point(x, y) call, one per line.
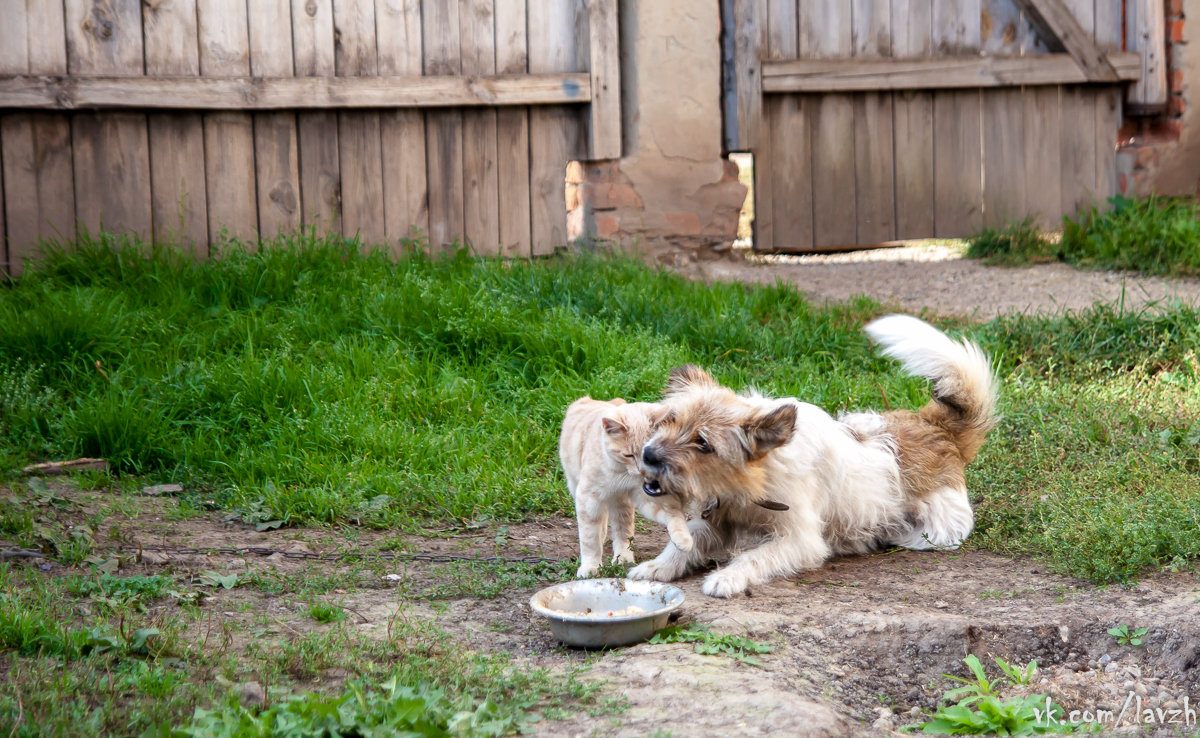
point(964, 401)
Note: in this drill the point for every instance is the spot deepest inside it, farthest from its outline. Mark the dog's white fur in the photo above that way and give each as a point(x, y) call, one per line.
point(599, 448)
point(851, 484)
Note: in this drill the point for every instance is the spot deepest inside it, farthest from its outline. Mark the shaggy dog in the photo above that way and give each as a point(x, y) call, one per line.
point(831, 485)
point(599, 447)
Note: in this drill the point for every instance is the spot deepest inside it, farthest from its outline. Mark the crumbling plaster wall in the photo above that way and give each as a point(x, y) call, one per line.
point(673, 194)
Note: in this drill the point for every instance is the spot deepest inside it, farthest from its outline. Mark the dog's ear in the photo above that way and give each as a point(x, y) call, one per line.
point(614, 427)
point(687, 376)
point(767, 432)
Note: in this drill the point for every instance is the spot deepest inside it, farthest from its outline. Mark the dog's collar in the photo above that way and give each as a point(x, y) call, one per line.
point(765, 504)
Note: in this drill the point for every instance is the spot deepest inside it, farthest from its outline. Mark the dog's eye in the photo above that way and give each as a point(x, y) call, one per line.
point(702, 444)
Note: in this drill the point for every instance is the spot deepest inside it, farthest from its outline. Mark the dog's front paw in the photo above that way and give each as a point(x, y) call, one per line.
point(586, 571)
point(624, 557)
point(724, 583)
point(652, 570)
point(682, 538)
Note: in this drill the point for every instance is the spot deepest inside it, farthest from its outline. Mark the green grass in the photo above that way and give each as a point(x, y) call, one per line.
point(1154, 235)
point(1016, 244)
point(314, 382)
point(79, 660)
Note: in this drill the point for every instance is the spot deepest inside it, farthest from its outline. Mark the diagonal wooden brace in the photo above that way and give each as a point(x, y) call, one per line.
point(1057, 19)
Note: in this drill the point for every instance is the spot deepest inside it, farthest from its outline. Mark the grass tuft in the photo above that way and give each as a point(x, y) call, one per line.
point(1154, 235)
point(1018, 243)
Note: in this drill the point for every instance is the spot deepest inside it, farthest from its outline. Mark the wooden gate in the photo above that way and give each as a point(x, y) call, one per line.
point(877, 120)
point(186, 120)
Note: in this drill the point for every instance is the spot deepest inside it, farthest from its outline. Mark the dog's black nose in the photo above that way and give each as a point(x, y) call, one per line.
point(651, 457)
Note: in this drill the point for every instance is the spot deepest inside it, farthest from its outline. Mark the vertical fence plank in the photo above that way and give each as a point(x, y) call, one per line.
point(35, 147)
point(826, 32)
point(37, 157)
point(1004, 152)
point(1108, 101)
point(1043, 154)
point(276, 146)
point(481, 187)
point(47, 37)
point(912, 112)
point(359, 141)
point(6, 268)
point(777, 36)
point(512, 128)
point(320, 170)
point(957, 160)
point(874, 153)
point(228, 136)
point(14, 37)
point(110, 151)
point(443, 128)
point(1078, 130)
point(554, 132)
point(604, 64)
point(178, 195)
point(405, 193)
point(788, 168)
point(1146, 28)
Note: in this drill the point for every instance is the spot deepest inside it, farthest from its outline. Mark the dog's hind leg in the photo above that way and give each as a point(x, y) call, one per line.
point(944, 519)
point(674, 562)
point(801, 547)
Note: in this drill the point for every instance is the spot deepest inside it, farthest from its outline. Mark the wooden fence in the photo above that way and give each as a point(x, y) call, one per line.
point(877, 120)
point(191, 120)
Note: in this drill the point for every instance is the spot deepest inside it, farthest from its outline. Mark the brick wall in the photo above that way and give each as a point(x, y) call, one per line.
point(1150, 146)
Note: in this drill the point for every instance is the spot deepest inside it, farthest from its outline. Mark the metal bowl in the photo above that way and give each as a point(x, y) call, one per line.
point(579, 611)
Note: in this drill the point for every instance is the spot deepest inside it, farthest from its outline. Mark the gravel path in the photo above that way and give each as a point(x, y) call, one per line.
point(938, 277)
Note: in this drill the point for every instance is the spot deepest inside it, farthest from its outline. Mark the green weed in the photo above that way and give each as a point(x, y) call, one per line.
point(324, 612)
point(978, 708)
point(738, 648)
point(1127, 637)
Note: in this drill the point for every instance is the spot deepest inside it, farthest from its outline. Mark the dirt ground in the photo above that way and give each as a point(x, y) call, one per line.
point(859, 645)
point(937, 277)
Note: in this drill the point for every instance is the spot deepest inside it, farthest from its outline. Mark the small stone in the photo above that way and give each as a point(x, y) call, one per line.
point(1111, 668)
point(1170, 705)
point(162, 489)
point(1092, 665)
point(392, 577)
point(1140, 690)
point(1072, 666)
point(1134, 671)
point(1104, 660)
point(941, 605)
point(251, 693)
point(884, 723)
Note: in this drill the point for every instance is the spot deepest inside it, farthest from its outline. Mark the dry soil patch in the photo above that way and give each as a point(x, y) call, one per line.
point(858, 644)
